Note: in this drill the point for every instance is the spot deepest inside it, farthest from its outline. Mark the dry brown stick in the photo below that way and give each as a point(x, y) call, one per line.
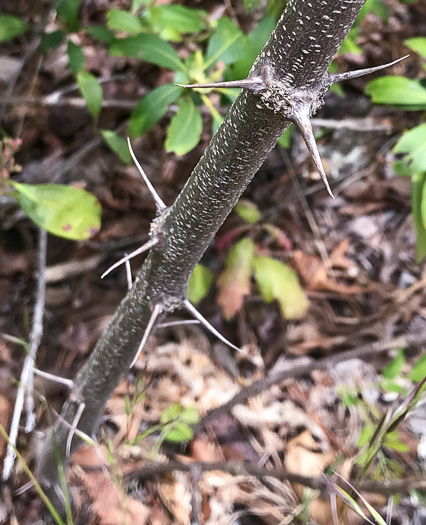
point(236, 468)
point(273, 378)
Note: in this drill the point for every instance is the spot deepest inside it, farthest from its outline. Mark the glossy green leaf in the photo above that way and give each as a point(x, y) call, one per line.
point(101, 33)
point(248, 211)
point(226, 44)
point(65, 211)
point(394, 368)
point(149, 48)
point(199, 283)
point(76, 60)
point(398, 91)
point(417, 44)
point(412, 146)
point(11, 27)
point(179, 433)
point(118, 145)
point(418, 372)
point(92, 92)
point(278, 281)
point(67, 11)
point(185, 128)
point(51, 40)
point(124, 21)
point(152, 107)
point(234, 283)
point(178, 17)
point(418, 182)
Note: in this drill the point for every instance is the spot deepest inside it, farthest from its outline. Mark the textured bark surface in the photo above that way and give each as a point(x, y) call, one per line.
point(296, 57)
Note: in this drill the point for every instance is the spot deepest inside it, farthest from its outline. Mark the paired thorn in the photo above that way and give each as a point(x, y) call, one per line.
point(338, 77)
point(57, 379)
point(300, 117)
point(191, 309)
point(148, 331)
point(158, 201)
point(178, 323)
point(73, 428)
point(254, 84)
point(148, 245)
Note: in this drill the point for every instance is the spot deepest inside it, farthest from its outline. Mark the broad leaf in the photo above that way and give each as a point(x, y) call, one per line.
point(418, 182)
point(51, 40)
point(199, 283)
point(65, 211)
point(123, 21)
point(149, 48)
point(76, 60)
point(417, 44)
point(92, 92)
point(68, 12)
point(101, 33)
point(285, 140)
point(398, 91)
point(152, 107)
point(11, 27)
point(248, 211)
point(278, 281)
point(226, 44)
point(412, 145)
point(178, 433)
point(178, 17)
point(418, 372)
point(118, 145)
point(185, 128)
point(234, 283)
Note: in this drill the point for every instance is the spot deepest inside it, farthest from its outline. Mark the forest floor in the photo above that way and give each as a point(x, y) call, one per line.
point(355, 257)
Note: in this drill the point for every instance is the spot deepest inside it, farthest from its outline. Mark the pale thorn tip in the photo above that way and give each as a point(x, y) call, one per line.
point(191, 309)
point(338, 77)
point(148, 245)
point(178, 323)
point(300, 118)
point(56, 379)
point(254, 84)
point(148, 330)
point(157, 199)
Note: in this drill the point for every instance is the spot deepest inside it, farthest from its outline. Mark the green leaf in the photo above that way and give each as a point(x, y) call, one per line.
point(248, 211)
point(152, 107)
point(185, 128)
point(234, 283)
point(395, 367)
point(149, 48)
point(417, 44)
point(76, 60)
point(178, 17)
point(51, 40)
point(68, 12)
point(171, 413)
point(349, 43)
point(285, 140)
point(65, 211)
point(226, 44)
point(124, 21)
point(398, 91)
point(11, 27)
point(101, 33)
point(412, 145)
point(278, 281)
point(199, 283)
point(118, 145)
point(418, 372)
point(91, 91)
point(189, 415)
point(418, 181)
point(179, 433)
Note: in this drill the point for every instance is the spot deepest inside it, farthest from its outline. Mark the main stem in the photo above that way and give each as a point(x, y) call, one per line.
point(297, 55)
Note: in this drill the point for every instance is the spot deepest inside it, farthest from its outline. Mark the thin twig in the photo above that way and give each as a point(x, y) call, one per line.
point(26, 382)
point(274, 377)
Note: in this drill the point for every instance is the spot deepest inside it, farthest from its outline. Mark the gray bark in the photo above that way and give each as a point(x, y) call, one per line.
point(296, 58)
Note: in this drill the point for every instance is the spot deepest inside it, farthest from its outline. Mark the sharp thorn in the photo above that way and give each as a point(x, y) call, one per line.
point(300, 117)
point(178, 323)
point(73, 428)
point(128, 275)
point(191, 309)
point(338, 77)
point(148, 245)
point(158, 201)
point(253, 84)
point(57, 379)
point(149, 328)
